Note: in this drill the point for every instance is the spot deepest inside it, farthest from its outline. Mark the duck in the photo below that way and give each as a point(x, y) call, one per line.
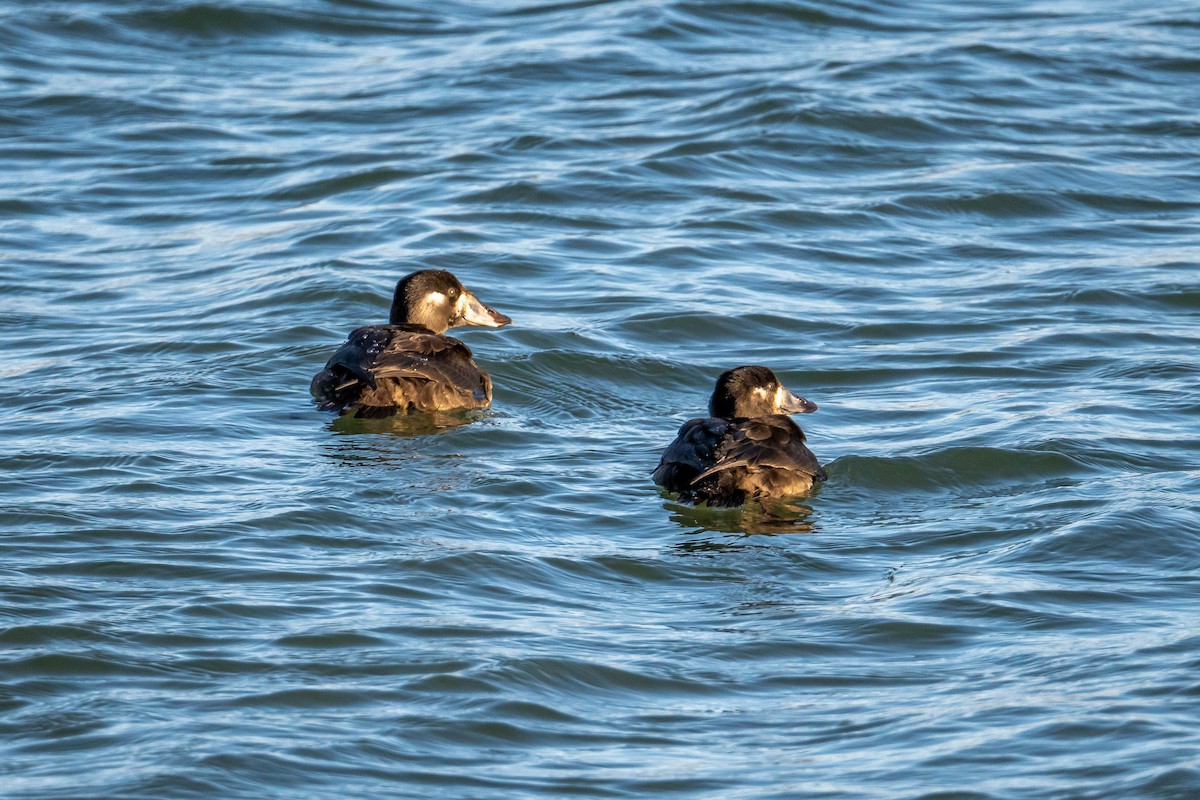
point(747, 448)
point(410, 365)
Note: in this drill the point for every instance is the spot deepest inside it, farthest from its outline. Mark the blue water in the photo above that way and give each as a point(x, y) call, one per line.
point(968, 231)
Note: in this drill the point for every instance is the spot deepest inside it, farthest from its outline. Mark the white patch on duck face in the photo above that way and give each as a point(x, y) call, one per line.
point(433, 304)
point(779, 397)
point(760, 391)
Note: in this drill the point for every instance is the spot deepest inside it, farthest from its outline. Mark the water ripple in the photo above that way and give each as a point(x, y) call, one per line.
point(965, 231)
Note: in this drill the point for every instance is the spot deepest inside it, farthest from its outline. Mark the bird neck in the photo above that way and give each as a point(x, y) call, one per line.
point(403, 315)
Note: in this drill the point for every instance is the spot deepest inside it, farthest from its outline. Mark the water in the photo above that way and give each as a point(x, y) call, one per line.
point(967, 231)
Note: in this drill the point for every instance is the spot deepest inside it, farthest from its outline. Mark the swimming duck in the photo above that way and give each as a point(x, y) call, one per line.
point(748, 448)
point(409, 364)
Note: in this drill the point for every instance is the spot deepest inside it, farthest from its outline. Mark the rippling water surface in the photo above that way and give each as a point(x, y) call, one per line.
point(967, 230)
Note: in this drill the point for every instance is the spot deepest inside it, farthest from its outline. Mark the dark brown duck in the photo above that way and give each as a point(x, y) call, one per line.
point(749, 448)
point(409, 364)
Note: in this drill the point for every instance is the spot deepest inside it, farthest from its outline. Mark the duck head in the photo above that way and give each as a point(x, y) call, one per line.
point(437, 300)
point(754, 392)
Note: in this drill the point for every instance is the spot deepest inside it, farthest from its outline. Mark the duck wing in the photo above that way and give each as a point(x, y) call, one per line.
point(765, 443)
point(411, 353)
point(693, 451)
point(384, 368)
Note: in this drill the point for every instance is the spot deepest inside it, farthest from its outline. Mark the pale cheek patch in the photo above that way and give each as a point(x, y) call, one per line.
point(779, 397)
point(434, 303)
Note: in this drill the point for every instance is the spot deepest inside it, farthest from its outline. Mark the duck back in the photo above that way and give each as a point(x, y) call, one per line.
point(383, 370)
point(727, 462)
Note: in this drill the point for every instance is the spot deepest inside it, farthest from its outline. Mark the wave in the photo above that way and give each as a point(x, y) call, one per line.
point(960, 469)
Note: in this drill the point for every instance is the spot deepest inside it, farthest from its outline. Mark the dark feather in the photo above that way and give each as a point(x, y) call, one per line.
point(774, 442)
point(692, 452)
point(725, 462)
point(387, 369)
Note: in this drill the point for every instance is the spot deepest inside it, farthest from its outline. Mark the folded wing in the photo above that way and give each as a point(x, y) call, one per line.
point(387, 369)
point(766, 443)
point(725, 462)
point(693, 451)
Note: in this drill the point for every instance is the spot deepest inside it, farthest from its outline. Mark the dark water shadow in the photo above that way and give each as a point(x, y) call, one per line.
point(397, 442)
point(405, 425)
point(736, 526)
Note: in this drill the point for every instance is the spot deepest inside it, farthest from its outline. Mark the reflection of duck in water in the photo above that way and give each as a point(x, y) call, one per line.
point(409, 364)
point(747, 449)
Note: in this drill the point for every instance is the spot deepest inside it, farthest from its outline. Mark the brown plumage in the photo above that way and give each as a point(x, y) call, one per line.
point(749, 448)
point(409, 364)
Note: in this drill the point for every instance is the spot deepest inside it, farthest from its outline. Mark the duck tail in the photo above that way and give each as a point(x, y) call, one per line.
point(335, 387)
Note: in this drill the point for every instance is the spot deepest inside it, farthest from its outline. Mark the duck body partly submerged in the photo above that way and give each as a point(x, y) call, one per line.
point(383, 370)
point(410, 364)
point(748, 449)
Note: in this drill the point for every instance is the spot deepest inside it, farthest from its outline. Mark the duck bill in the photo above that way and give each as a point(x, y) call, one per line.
point(793, 404)
point(473, 312)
